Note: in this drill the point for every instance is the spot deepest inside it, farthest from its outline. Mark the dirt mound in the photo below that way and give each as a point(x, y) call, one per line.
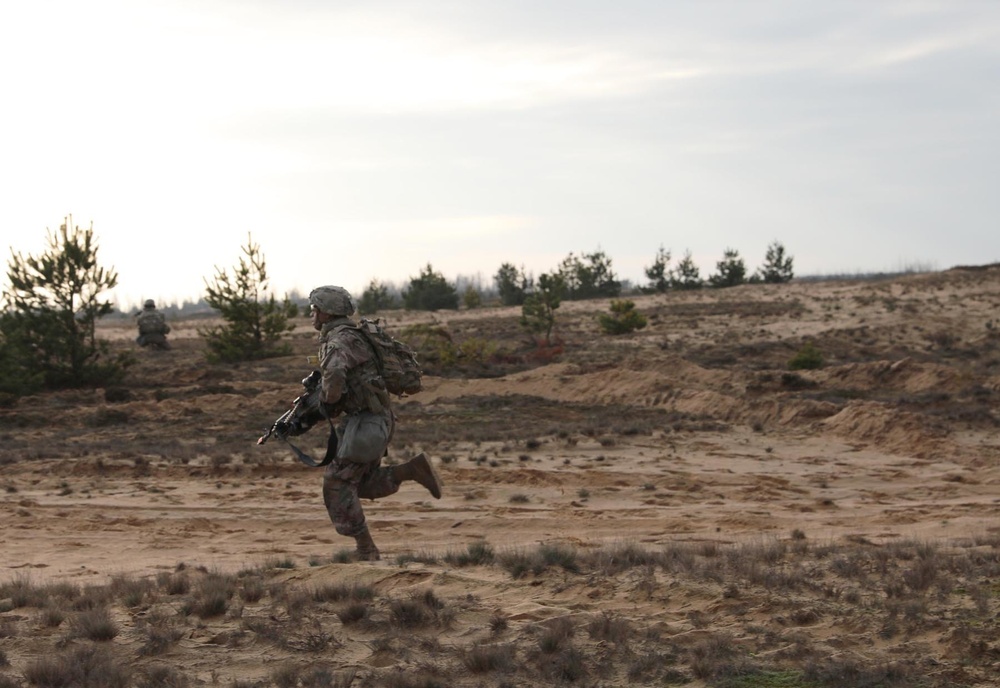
point(896, 431)
point(903, 375)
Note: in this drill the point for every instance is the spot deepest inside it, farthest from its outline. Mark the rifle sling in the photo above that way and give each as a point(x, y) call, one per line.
point(331, 443)
point(331, 451)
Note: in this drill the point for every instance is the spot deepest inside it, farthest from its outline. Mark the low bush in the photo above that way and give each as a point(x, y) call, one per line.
point(807, 358)
point(623, 318)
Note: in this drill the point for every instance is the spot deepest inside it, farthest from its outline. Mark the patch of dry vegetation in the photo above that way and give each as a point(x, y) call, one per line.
point(794, 614)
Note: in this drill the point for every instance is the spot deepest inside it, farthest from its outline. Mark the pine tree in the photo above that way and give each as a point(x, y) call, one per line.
point(686, 275)
point(589, 276)
point(512, 284)
point(254, 321)
point(51, 309)
point(658, 273)
point(731, 271)
point(777, 267)
point(538, 313)
point(376, 297)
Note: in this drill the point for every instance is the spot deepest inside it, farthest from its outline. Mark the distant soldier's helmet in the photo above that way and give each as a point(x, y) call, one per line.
point(332, 300)
point(149, 304)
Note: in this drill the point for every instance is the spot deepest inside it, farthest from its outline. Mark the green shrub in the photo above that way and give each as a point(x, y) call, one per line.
point(623, 319)
point(807, 358)
point(436, 348)
point(472, 298)
point(430, 291)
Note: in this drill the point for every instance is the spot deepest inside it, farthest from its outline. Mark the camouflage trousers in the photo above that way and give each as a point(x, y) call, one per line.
point(155, 340)
point(357, 472)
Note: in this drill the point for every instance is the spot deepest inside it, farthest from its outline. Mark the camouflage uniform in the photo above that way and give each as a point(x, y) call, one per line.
point(363, 434)
point(153, 327)
point(352, 387)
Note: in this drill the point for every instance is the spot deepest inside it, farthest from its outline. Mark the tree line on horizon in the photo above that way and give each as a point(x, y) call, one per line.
point(588, 275)
point(577, 277)
point(52, 302)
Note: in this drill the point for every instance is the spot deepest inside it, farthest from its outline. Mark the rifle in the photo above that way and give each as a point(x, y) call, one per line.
point(306, 409)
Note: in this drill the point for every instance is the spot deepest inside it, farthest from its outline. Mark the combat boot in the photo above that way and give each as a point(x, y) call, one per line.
point(420, 470)
point(367, 551)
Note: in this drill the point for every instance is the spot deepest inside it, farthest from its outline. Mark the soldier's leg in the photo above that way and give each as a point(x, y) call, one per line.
point(340, 495)
point(362, 441)
point(386, 480)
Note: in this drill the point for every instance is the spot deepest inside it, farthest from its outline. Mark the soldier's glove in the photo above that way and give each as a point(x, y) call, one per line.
point(312, 381)
point(298, 426)
point(288, 428)
point(280, 430)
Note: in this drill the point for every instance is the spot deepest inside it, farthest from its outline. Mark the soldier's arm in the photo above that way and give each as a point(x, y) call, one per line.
point(334, 382)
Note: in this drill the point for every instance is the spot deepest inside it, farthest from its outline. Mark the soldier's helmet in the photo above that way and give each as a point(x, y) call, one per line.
point(149, 304)
point(332, 300)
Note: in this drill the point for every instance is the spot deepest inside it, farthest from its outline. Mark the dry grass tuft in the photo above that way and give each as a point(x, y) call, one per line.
point(211, 596)
point(557, 634)
point(94, 624)
point(520, 562)
point(619, 557)
point(337, 592)
point(174, 583)
point(162, 676)
point(711, 657)
point(81, 667)
point(410, 613)
point(478, 553)
point(159, 632)
point(131, 592)
point(252, 589)
point(498, 624)
point(482, 658)
point(610, 628)
point(352, 613)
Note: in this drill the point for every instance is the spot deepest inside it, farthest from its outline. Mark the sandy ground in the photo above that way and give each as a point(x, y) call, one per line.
point(692, 430)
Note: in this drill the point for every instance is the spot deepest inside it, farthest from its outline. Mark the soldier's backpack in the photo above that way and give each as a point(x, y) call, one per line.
point(397, 363)
point(152, 323)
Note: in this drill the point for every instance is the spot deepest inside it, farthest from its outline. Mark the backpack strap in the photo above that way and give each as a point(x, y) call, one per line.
point(362, 328)
point(363, 387)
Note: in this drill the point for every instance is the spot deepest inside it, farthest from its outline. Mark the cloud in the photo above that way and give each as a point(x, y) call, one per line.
point(475, 132)
point(434, 231)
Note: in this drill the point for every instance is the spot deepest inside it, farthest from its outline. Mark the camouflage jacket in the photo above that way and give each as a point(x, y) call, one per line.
point(351, 381)
point(152, 322)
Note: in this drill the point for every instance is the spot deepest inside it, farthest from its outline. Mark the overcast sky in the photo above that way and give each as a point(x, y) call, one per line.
point(361, 140)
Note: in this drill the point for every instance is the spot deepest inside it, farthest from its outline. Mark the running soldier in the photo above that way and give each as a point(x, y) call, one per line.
point(353, 389)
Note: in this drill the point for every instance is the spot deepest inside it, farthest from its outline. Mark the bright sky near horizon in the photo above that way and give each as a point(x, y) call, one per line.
point(360, 140)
